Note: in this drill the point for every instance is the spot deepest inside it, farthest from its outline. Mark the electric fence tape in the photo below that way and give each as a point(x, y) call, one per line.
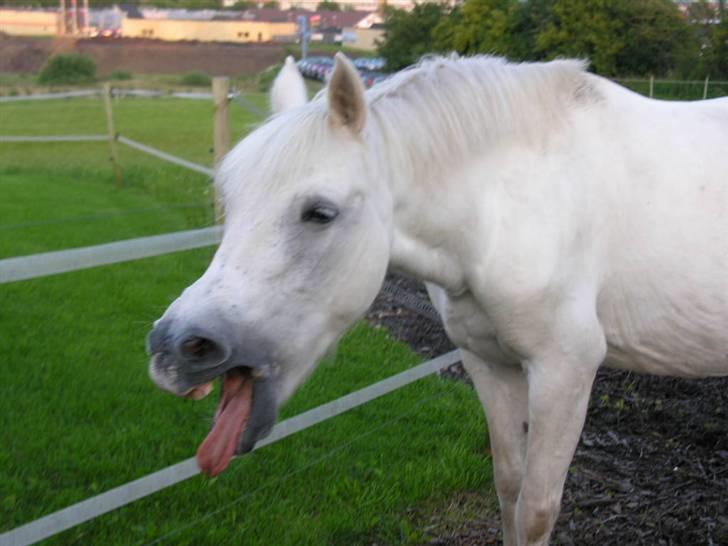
point(117, 497)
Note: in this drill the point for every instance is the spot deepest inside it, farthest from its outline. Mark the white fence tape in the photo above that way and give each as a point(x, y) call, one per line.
point(157, 93)
point(116, 92)
point(198, 95)
point(62, 261)
point(55, 138)
point(52, 96)
point(144, 93)
point(94, 507)
point(167, 157)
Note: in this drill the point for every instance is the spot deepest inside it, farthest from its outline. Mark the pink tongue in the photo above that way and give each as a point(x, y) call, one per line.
point(214, 454)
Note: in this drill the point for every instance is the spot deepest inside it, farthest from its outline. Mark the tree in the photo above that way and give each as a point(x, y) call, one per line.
point(479, 26)
point(717, 62)
point(328, 5)
point(656, 37)
point(408, 35)
point(590, 29)
point(618, 36)
point(529, 20)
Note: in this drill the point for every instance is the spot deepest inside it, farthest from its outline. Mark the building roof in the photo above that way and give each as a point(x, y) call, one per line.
point(319, 18)
point(267, 15)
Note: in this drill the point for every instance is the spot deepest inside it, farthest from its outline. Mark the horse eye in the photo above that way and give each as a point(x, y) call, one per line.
point(319, 214)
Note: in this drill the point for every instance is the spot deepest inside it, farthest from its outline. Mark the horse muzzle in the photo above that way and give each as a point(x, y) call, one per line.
point(186, 359)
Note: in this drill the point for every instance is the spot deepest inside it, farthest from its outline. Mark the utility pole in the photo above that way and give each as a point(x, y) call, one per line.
point(62, 17)
point(85, 18)
point(74, 17)
point(221, 132)
point(304, 34)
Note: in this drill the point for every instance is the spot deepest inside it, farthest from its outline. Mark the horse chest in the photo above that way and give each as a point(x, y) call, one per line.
point(469, 327)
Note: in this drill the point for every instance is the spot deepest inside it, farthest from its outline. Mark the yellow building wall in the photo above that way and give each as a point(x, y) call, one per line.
point(364, 38)
point(28, 23)
point(205, 31)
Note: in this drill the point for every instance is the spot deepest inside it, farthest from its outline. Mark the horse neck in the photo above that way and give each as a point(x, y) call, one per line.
point(433, 158)
point(427, 242)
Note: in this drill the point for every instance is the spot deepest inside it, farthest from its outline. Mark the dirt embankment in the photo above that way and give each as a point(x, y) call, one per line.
point(19, 54)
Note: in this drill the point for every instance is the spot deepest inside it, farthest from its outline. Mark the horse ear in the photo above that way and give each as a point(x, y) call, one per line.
point(347, 106)
point(288, 90)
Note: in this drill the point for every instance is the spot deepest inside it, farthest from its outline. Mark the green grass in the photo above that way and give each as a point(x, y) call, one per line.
point(72, 209)
point(177, 126)
point(27, 83)
point(684, 90)
point(80, 415)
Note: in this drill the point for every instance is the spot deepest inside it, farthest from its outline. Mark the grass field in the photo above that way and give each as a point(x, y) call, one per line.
point(676, 90)
point(80, 415)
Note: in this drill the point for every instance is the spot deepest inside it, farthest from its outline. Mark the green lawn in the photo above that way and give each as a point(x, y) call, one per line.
point(80, 415)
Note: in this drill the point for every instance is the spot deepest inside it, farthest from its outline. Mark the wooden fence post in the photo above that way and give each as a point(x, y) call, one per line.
point(112, 136)
point(652, 86)
point(221, 130)
point(705, 87)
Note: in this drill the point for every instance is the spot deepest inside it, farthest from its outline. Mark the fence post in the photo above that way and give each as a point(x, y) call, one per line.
point(221, 129)
point(652, 86)
point(112, 136)
point(705, 87)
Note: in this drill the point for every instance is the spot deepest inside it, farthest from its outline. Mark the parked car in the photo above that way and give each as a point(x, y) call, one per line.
point(319, 68)
point(316, 68)
point(370, 64)
point(323, 68)
point(372, 78)
point(310, 65)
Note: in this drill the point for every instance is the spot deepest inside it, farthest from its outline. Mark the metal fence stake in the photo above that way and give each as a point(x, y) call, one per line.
point(221, 130)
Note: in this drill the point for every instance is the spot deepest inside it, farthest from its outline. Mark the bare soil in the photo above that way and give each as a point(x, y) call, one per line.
point(20, 54)
point(651, 467)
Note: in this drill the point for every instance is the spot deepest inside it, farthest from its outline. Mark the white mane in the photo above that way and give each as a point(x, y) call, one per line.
point(446, 108)
point(423, 119)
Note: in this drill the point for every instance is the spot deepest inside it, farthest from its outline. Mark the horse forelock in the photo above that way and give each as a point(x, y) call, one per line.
point(273, 154)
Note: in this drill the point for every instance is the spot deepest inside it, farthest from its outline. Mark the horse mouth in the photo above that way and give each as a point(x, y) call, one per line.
point(232, 416)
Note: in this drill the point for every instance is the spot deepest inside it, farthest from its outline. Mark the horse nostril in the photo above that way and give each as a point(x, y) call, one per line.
point(195, 346)
point(198, 348)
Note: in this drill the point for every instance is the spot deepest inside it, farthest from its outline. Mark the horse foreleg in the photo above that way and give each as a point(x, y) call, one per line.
point(503, 391)
point(558, 396)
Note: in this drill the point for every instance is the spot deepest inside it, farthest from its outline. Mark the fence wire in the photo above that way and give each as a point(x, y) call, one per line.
point(52, 96)
point(103, 216)
point(335, 451)
point(249, 106)
point(54, 138)
point(166, 156)
point(411, 301)
point(94, 507)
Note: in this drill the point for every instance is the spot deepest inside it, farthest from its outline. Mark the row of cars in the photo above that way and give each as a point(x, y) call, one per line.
point(319, 68)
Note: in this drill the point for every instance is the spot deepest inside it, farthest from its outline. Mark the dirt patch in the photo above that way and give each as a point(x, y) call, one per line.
point(142, 56)
point(651, 467)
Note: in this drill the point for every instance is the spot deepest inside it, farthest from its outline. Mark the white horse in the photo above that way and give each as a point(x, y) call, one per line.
point(560, 221)
point(289, 89)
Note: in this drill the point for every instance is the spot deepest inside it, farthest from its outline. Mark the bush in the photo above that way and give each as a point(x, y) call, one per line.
point(68, 69)
point(120, 75)
point(328, 5)
point(196, 79)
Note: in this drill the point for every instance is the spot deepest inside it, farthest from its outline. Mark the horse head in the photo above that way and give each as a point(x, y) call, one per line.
point(304, 252)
